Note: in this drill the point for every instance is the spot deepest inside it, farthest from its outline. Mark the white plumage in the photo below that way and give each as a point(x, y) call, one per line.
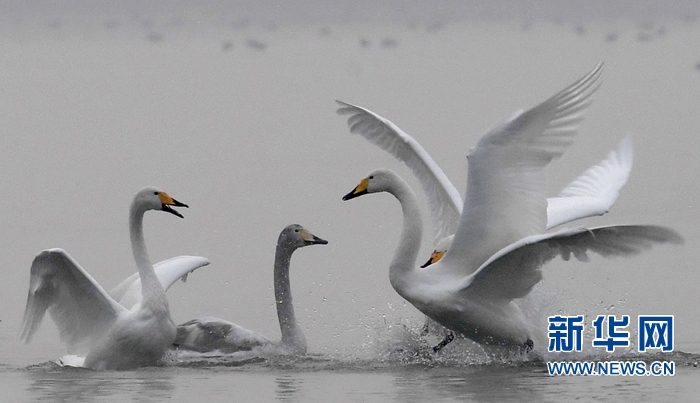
point(109, 334)
point(500, 244)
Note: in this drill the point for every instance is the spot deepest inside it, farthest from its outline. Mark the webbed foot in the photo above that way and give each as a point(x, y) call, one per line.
point(448, 338)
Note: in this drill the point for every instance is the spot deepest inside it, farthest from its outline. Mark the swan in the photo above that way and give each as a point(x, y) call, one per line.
point(212, 334)
point(500, 244)
point(593, 193)
point(90, 322)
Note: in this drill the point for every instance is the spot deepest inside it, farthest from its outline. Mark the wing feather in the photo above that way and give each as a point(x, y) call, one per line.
point(79, 306)
point(505, 199)
point(595, 191)
point(444, 201)
point(513, 271)
point(213, 334)
point(128, 292)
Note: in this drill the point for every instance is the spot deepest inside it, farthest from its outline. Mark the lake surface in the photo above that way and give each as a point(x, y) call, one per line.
point(233, 113)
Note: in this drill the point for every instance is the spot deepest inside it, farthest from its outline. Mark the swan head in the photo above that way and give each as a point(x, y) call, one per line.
point(379, 180)
point(298, 236)
point(152, 198)
point(439, 251)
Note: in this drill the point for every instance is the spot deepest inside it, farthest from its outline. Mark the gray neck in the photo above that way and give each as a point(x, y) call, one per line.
point(152, 294)
point(292, 336)
point(403, 265)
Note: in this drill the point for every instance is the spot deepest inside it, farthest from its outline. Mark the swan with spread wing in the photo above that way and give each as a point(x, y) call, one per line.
point(500, 244)
point(593, 193)
point(109, 334)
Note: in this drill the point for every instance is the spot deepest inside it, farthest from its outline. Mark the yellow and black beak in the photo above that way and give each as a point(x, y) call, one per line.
point(359, 190)
point(167, 201)
point(311, 239)
point(434, 258)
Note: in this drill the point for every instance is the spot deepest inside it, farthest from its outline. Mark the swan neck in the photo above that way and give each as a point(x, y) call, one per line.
point(151, 289)
point(403, 265)
point(292, 335)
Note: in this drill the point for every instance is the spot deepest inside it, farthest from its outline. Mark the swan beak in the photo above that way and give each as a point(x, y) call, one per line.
point(359, 190)
point(312, 239)
point(434, 258)
point(167, 201)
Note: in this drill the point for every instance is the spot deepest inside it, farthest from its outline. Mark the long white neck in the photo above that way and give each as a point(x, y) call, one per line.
point(292, 335)
point(152, 294)
point(403, 265)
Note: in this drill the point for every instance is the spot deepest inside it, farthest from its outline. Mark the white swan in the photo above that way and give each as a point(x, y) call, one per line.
point(500, 244)
point(593, 193)
point(212, 334)
point(92, 323)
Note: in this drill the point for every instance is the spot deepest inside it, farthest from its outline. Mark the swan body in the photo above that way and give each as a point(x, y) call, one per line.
point(477, 301)
point(92, 323)
point(593, 193)
point(212, 334)
point(501, 244)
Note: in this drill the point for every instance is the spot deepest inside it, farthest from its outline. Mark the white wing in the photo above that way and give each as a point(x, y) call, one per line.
point(515, 269)
point(81, 309)
point(128, 292)
point(444, 200)
point(505, 198)
point(595, 191)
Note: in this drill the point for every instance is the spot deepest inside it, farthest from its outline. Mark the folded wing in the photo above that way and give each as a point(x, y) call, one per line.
point(213, 334)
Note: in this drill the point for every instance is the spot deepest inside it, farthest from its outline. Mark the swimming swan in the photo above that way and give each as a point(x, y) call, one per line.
point(92, 323)
point(212, 334)
point(500, 244)
point(592, 193)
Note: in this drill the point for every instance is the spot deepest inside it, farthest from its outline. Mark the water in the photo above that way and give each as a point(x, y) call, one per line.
point(232, 113)
point(317, 378)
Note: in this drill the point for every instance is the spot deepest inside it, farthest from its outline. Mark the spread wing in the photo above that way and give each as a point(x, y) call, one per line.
point(513, 271)
point(444, 200)
point(128, 292)
point(80, 307)
point(595, 191)
point(505, 198)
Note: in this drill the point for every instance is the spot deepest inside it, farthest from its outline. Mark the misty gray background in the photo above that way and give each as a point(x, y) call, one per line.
point(101, 98)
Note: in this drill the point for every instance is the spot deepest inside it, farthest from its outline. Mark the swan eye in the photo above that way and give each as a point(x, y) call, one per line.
point(296, 230)
point(155, 193)
point(371, 177)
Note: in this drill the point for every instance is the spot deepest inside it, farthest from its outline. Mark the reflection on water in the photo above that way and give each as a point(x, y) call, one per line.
point(321, 378)
point(288, 388)
point(51, 382)
point(482, 384)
